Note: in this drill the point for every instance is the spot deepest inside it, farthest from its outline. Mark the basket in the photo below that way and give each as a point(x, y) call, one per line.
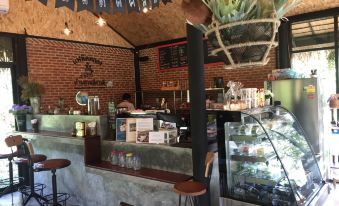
point(243, 43)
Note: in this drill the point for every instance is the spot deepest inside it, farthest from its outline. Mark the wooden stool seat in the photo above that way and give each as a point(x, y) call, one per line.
point(190, 188)
point(35, 159)
point(10, 155)
point(52, 164)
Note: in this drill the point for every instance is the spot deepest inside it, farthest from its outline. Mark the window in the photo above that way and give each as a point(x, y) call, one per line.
point(6, 49)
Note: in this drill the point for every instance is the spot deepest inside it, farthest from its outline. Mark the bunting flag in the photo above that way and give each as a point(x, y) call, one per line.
point(132, 5)
point(85, 5)
point(67, 3)
point(155, 3)
point(144, 3)
point(118, 6)
point(43, 2)
point(166, 1)
point(102, 6)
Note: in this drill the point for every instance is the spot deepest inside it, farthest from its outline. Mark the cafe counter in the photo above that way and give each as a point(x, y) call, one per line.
point(104, 184)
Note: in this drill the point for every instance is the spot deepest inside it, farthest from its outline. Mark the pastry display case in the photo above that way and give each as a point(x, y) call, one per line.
point(265, 158)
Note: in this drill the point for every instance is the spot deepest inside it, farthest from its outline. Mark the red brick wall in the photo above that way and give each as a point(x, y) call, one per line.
point(151, 77)
point(51, 63)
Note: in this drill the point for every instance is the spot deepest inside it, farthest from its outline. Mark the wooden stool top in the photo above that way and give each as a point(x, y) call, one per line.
point(189, 188)
point(10, 155)
point(53, 164)
point(35, 159)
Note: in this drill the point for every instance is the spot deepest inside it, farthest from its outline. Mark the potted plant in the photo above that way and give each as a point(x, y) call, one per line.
point(241, 32)
point(19, 112)
point(31, 91)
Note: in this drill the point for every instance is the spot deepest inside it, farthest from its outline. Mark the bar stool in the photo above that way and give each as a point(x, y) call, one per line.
point(29, 160)
point(52, 165)
point(193, 189)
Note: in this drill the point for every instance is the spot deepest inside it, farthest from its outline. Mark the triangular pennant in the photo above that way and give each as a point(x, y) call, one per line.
point(103, 6)
point(155, 3)
point(144, 3)
point(43, 2)
point(166, 1)
point(85, 5)
point(132, 5)
point(119, 6)
point(67, 3)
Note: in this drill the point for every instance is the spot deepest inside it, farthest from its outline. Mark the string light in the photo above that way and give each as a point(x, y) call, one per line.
point(145, 10)
point(101, 22)
point(67, 31)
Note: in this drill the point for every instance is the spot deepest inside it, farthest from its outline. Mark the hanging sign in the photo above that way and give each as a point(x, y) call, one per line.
point(102, 6)
point(155, 3)
point(85, 5)
point(67, 3)
point(43, 2)
point(166, 1)
point(132, 5)
point(119, 6)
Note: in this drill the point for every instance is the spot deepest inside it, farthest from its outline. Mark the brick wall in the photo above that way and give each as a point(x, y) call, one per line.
point(151, 77)
point(51, 63)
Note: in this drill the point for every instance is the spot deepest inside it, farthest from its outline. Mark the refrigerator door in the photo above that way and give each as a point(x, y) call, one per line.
point(300, 96)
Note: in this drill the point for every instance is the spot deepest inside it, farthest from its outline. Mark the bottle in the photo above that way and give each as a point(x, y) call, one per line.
point(114, 157)
point(129, 160)
point(136, 162)
point(111, 118)
point(122, 159)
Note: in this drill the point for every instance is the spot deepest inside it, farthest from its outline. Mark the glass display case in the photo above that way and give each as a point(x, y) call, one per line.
point(265, 159)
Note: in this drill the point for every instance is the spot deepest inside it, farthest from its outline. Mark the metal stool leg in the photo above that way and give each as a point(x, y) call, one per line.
point(54, 188)
point(186, 201)
point(179, 200)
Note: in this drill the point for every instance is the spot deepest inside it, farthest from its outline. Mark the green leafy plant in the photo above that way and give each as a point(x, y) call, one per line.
point(228, 11)
point(30, 89)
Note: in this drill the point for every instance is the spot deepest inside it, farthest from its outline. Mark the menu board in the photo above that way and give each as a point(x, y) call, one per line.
point(174, 56)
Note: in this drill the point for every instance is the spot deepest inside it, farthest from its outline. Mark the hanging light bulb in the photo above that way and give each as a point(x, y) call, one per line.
point(67, 31)
point(145, 10)
point(101, 22)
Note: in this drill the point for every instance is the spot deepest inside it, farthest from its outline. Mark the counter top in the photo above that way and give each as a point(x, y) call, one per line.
point(147, 173)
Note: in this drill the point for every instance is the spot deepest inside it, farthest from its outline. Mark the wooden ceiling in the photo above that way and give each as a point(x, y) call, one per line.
point(168, 21)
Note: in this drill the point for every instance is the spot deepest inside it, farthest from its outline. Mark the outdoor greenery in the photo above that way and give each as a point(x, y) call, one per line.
point(30, 89)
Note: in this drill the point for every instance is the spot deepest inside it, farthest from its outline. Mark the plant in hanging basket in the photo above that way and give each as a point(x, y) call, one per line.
point(242, 32)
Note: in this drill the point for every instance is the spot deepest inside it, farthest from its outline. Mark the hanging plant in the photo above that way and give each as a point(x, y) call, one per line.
point(242, 32)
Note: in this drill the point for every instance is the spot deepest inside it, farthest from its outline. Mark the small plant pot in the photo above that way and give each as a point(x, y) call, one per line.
point(20, 120)
point(246, 43)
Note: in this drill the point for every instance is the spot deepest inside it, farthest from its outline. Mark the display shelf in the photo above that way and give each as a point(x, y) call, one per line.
point(255, 180)
point(241, 138)
point(245, 158)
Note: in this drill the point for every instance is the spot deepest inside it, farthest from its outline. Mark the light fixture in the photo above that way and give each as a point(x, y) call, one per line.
point(145, 10)
point(67, 31)
point(101, 22)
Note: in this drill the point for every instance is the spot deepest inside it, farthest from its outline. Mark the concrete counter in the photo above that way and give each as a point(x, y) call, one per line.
point(92, 186)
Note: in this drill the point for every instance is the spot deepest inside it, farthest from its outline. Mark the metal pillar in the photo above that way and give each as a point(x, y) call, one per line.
point(195, 57)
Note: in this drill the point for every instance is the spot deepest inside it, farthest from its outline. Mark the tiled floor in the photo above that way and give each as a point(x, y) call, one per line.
point(6, 200)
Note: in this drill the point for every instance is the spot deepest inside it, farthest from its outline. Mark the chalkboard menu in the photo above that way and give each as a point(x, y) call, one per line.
point(174, 56)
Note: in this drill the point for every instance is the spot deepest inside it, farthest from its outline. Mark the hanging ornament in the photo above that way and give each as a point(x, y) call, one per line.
point(67, 3)
point(102, 6)
point(119, 6)
point(132, 5)
point(85, 5)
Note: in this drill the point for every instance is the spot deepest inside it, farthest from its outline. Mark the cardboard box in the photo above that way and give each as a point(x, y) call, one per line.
point(131, 130)
point(121, 129)
point(143, 127)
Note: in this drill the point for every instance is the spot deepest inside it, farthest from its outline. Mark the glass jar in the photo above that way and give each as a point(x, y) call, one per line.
point(136, 162)
point(114, 157)
point(129, 160)
point(122, 160)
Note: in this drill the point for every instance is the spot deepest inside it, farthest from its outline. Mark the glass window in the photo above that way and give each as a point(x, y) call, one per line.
point(6, 49)
point(313, 34)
